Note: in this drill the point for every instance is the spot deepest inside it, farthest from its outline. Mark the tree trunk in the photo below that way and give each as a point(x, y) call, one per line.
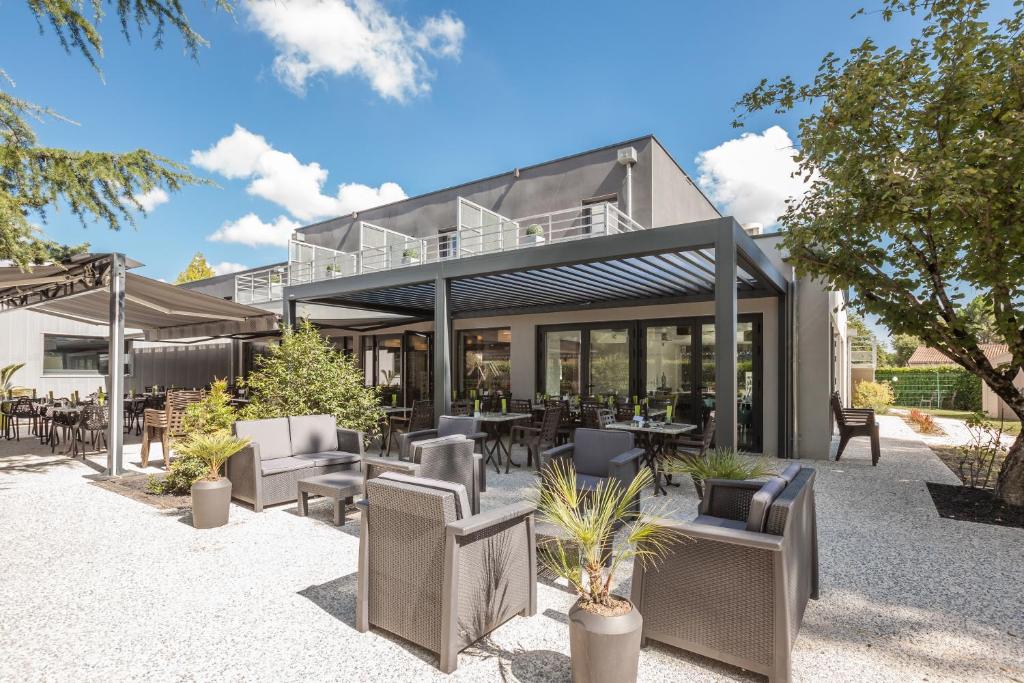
point(1010, 482)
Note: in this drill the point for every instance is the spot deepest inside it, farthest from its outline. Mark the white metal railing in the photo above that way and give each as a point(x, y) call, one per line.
point(863, 354)
point(478, 231)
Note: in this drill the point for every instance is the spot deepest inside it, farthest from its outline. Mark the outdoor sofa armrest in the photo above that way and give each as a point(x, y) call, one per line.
point(563, 451)
point(627, 457)
point(406, 441)
point(351, 441)
point(491, 518)
point(374, 467)
point(738, 488)
point(694, 531)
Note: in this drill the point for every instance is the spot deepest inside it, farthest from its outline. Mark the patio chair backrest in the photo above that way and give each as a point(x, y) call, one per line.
point(312, 433)
point(449, 425)
point(272, 436)
point(448, 460)
point(422, 415)
point(454, 503)
point(177, 402)
point(24, 407)
point(94, 418)
point(605, 416)
point(521, 405)
point(549, 424)
point(792, 509)
point(593, 448)
point(709, 431)
point(462, 406)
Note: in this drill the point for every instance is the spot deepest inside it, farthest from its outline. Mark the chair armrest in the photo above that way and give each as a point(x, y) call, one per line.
point(723, 487)
point(741, 537)
point(407, 441)
point(563, 451)
point(491, 518)
point(374, 467)
point(351, 441)
point(627, 457)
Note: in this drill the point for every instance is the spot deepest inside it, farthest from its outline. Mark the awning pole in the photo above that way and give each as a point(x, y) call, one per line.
point(115, 439)
point(725, 337)
point(442, 347)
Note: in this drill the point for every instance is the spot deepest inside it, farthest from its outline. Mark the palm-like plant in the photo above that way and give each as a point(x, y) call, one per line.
point(590, 520)
point(212, 448)
point(6, 373)
point(721, 463)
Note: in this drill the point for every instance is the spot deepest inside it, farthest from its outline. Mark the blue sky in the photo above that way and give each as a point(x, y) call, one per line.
point(440, 93)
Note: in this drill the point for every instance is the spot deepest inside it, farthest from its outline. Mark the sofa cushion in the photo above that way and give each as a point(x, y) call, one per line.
point(723, 522)
point(271, 436)
point(762, 501)
point(313, 433)
point(593, 448)
point(278, 465)
point(328, 458)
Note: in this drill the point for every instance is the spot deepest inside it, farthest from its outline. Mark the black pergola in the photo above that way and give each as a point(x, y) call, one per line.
point(714, 260)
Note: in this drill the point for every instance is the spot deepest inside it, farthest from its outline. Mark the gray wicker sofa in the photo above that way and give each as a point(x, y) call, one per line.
point(286, 449)
point(735, 590)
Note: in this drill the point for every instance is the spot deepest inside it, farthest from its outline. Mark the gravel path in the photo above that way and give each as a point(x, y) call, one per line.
point(97, 587)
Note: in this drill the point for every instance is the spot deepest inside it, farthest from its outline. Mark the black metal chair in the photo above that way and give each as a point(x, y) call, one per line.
point(19, 411)
point(93, 421)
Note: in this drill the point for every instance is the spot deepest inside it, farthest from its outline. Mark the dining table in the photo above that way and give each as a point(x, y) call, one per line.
point(655, 438)
point(494, 446)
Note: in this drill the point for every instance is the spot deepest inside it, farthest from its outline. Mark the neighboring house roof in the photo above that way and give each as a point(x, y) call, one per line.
point(924, 355)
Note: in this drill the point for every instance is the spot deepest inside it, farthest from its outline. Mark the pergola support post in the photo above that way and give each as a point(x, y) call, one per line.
point(288, 313)
point(725, 339)
point(442, 347)
point(115, 386)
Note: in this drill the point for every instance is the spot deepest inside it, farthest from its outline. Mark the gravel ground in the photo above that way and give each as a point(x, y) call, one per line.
point(98, 587)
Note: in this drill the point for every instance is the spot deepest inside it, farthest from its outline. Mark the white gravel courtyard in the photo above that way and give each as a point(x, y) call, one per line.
point(95, 586)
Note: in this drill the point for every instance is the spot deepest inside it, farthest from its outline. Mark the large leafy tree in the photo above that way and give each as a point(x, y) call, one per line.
point(915, 160)
point(197, 269)
point(95, 186)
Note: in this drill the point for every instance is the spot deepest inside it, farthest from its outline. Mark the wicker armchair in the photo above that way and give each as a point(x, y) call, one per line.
point(435, 575)
point(447, 425)
point(856, 422)
point(601, 454)
point(447, 458)
point(166, 423)
point(736, 588)
point(286, 449)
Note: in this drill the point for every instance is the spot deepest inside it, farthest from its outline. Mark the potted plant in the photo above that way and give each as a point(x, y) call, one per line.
point(211, 495)
point(604, 628)
point(720, 463)
point(534, 235)
point(410, 256)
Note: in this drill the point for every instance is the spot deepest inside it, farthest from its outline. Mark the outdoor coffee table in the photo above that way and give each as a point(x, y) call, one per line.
point(494, 445)
point(341, 487)
point(654, 439)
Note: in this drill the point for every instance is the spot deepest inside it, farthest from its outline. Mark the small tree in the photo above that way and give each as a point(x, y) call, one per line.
point(916, 200)
point(306, 375)
point(197, 269)
point(903, 347)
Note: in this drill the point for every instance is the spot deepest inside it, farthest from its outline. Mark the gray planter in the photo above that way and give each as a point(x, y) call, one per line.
point(211, 501)
point(604, 649)
point(532, 239)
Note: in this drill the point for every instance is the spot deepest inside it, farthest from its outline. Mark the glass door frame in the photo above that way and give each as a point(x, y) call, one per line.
point(429, 337)
point(584, 329)
point(403, 351)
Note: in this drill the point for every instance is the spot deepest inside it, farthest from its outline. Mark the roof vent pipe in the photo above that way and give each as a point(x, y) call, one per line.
point(628, 157)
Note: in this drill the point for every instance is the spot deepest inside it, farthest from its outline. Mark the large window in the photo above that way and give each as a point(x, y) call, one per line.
point(562, 350)
point(67, 354)
point(609, 362)
point(486, 361)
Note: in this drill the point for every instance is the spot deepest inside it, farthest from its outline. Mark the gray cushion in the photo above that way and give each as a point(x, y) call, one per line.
point(723, 522)
point(457, 424)
point(762, 501)
point(586, 482)
point(328, 458)
point(271, 436)
point(789, 474)
point(278, 465)
point(593, 448)
point(462, 508)
point(414, 447)
point(313, 433)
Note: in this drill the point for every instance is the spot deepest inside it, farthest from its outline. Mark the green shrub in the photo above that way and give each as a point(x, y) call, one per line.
point(213, 414)
point(184, 471)
point(306, 375)
point(958, 388)
point(875, 395)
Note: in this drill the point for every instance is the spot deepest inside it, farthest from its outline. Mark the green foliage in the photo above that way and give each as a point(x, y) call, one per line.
point(212, 449)
point(985, 450)
point(590, 520)
point(212, 414)
point(878, 396)
point(534, 229)
point(7, 374)
point(101, 186)
point(723, 463)
point(306, 375)
point(910, 385)
point(981, 321)
point(903, 347)
point(197, 269)
point(183, 471)
point(916, 195)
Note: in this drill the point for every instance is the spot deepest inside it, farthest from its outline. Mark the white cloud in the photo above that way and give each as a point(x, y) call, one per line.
point(750, 177)
point(152, 199)
point(340, 37)
point(252, 231)
point(228, 267)
point(281, 178)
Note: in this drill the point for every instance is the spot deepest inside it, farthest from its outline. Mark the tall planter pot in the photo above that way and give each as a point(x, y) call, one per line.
point(211, 501)
point(604, 649)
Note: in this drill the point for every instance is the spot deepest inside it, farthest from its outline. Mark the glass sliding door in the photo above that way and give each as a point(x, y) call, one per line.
point(388, 369)
point(486, 362)
point(669, 369)
point(608, 362)
point(562, 352)
point(748, 380)
point(416, 376)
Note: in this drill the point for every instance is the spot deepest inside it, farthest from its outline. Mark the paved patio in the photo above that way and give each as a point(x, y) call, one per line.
point(96, 586)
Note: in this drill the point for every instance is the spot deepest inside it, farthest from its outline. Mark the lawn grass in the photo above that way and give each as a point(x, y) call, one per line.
point(1011, 427)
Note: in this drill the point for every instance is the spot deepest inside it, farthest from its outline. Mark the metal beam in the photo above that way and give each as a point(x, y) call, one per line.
point(725, 340)
point(115, 385)
point(442, 347)
point(755, 261)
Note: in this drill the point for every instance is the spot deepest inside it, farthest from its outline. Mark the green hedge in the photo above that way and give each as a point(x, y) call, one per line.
point(956, 388)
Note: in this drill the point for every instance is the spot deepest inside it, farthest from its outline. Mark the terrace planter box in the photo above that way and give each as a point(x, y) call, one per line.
point(604, 649)
point(532, 239)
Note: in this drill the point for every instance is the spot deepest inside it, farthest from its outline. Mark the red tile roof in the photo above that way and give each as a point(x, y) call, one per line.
point(924, 355)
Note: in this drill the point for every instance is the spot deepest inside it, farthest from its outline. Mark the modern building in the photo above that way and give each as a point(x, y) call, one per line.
point(603, 273)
